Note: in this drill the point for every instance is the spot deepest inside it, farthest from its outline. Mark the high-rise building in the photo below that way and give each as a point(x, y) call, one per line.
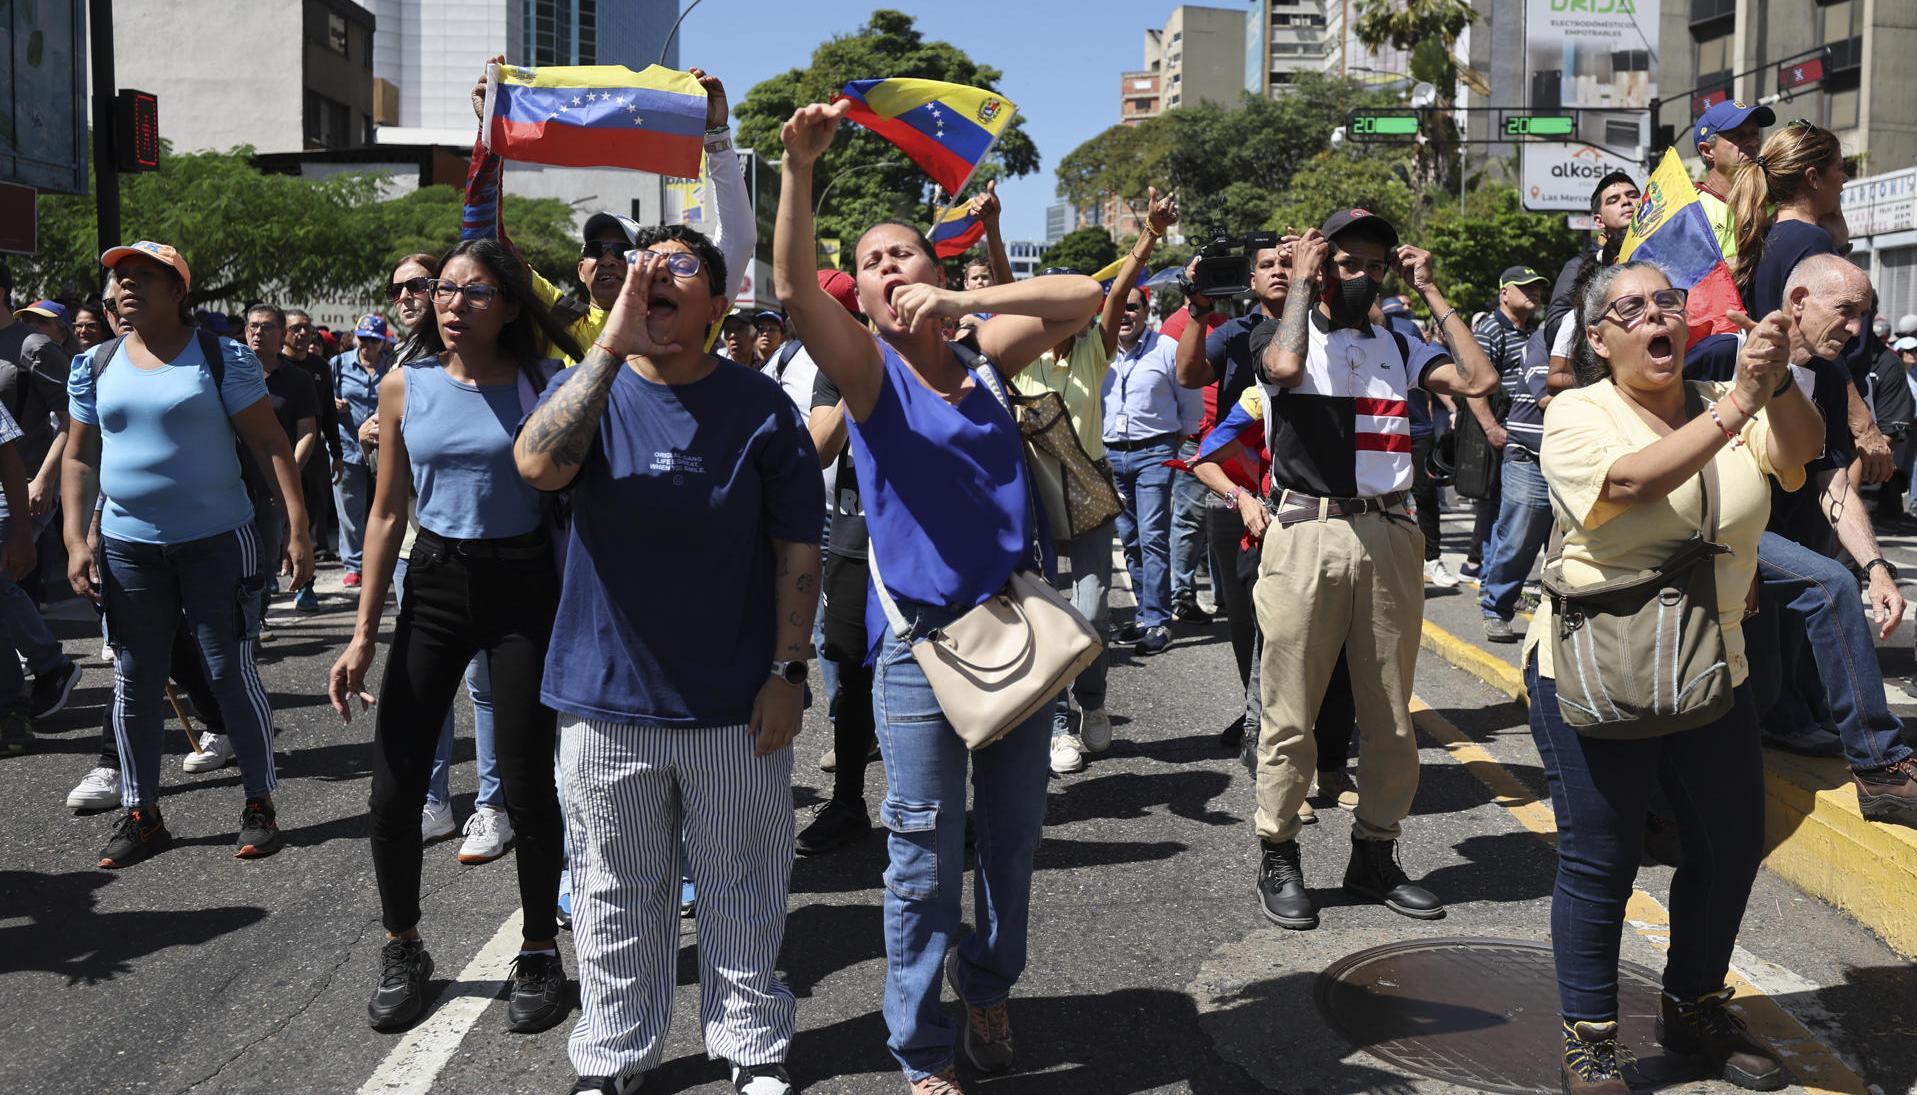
point(1199, 50)
point(1024, 255)
point(1138, 96)
point(1060, 219)
point(1283, 38)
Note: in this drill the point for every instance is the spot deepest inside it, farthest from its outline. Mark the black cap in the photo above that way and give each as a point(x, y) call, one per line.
point(1519, 275)
point(1346, 219)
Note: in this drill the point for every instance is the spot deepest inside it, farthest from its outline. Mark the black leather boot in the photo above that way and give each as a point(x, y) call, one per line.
point(1374, 873)
point(1281, 888)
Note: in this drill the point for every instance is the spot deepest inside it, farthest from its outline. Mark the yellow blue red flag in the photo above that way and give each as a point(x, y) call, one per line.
point(1672, 230)
point(597, 116)
point(947, 129)
point(956, 230)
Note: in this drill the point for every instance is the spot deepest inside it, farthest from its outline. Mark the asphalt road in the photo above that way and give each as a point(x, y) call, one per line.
point(1151, 969)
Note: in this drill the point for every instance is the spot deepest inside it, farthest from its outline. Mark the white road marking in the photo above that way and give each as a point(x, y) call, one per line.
point(416, 1061)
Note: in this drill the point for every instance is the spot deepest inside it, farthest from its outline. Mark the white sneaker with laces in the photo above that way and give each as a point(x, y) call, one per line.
point(436, 821)
point(1068, 754)
point(1437, 574)
point(216, 752)
point(97, 790)
point(489, 833)
point(1095, 730)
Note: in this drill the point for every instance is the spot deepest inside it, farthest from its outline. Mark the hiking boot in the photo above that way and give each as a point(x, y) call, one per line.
point(1339, 788)
point(140, 834)
point(99, 789)
point(51, 689)
point(768, 1079)
point(1594, 1062)
point(259, 831)
point(1888, 793)
point(986, 1036)
point(216, 752)
point(1374, 873)
point(539, 996)
point(1438, 574)
point(1707, 1031)
point(16, 733)
point(1500, 631)
point(489, 832)
point(945, 1083)
point(1095, 730)
point(1281, 888)
point(836, 825)
point(1068, 754)
point(404, 969)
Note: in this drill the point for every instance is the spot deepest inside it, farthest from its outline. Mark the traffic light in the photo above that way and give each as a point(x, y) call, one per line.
point(136, 131)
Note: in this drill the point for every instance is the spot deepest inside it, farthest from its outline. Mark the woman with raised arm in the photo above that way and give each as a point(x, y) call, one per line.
point(950, 513)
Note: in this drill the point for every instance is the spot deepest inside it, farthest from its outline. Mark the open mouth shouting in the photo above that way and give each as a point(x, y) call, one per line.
point(1659, 349)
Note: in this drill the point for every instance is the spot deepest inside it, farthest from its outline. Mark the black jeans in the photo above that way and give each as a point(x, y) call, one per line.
point(846, 644)
point(189, 672)
point(462, 597)
point(1424, 495)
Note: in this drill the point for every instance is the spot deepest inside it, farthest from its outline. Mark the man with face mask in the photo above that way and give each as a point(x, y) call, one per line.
point(1728, 136)
point(1523, 510)
point(1342, 564)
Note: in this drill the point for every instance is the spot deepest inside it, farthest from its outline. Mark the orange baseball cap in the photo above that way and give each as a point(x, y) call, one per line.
point(159, 252)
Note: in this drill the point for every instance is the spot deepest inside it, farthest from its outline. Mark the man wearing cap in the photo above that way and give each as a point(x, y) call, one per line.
point(1727, 135)
point(50, 318)
point(356, 377)
point(1524, 505)
point(1342, 560)
point(768, 335)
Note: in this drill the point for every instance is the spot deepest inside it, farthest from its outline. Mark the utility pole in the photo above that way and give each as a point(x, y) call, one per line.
point(106, 173)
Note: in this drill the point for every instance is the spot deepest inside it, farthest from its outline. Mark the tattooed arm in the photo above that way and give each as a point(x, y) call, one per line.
point(1283, 362)
point(780, 707)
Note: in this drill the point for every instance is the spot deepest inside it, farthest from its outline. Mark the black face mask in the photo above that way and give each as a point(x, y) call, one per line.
point(1350, 306)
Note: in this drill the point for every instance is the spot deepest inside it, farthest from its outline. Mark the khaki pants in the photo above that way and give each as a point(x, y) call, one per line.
point(1354, 583)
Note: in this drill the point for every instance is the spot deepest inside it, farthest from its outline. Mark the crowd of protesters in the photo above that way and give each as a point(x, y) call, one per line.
point(849, 476)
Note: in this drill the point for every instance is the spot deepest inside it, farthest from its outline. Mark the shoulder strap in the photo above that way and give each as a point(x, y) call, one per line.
point(215, 355)
point(1404, 349)
point(1707, 489)
point(103, 354)
point(786, 353)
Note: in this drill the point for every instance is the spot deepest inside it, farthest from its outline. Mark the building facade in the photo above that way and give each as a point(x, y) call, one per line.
point(1199, 51)
point(1060, 218)
point(1024, 255)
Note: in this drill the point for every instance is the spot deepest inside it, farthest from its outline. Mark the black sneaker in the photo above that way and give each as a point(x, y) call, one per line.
point(404, 969)
point(1281, 888)
point(540, 995)
point(836, 825)
point(1374, 873)
point(51, 689)
point(1129, 634)
point(1188, 611)
point(16, 733)
point(610, 1085)
point(1153, 640)
point(760, 1079)
point(140, 834)
point(259, 830)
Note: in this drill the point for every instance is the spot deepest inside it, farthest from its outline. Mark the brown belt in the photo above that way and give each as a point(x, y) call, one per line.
point(1292, 507)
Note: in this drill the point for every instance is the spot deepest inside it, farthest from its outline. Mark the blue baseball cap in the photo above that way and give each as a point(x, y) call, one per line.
point(371, 326)
point(47, 309)
point(1729, 115)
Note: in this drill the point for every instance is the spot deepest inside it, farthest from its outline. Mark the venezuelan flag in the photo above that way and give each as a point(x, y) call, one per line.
point(947, 129)
point(1672, 230)
point(597, 116)
point(955, 231)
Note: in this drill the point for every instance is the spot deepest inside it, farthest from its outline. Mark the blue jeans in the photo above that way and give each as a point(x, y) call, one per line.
point(479, 686)
point(216, 581)
point(352, 497)
point(23, 629)
point(1524, 524)
point(1810, 648)
point(924, 809)
point(1091, 583)
point(1144, 526)
point(1713, 778)
point(1187, 527)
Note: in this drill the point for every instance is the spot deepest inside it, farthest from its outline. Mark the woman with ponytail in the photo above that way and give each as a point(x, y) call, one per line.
point(1775, 199)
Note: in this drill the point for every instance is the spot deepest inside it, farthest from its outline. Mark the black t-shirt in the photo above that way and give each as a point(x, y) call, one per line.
point(1233, 362)
point(848, 515)
point(321, 374)
point(291, 391)
point(33, 384)
point(1785, 245)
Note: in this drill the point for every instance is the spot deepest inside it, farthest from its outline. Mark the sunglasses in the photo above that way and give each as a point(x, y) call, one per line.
point(603, 249)
point(411, 287)
point(479, 296)
point(1631, 309)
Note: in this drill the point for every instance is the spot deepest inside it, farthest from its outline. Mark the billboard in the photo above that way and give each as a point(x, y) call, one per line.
point(43, 96)
point(1598, 60)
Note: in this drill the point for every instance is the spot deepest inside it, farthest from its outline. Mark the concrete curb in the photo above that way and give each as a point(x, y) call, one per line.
point(1817, 837)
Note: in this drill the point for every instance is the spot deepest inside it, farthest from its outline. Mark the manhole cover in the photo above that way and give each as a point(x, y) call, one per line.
point(1479, 1013)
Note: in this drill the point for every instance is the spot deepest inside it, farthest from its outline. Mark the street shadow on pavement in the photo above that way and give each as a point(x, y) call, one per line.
point(65, 935)
point(1129, 795)
point(1504, 867)
point(1878, 1006)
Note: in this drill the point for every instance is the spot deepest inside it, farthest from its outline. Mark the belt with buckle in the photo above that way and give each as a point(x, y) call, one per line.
point(1292, 507)
point(1144, 443)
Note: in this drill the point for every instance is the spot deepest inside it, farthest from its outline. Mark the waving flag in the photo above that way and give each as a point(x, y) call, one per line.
point(597, 116)
point(956, 230)
point(1671, 229)
point(946, 129)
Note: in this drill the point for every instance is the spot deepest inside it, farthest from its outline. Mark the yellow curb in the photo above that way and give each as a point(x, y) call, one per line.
point(1817, 837)
point(1812, 1063)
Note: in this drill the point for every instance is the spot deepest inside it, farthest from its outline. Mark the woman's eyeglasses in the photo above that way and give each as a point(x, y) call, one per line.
point(1631, 309)
point(681, 264)
point(416, 287)
point(479, 296)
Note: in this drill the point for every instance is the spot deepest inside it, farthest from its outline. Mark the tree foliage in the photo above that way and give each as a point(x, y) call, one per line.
point(870, 180)
point(1495, 231)
point(1124, 161)
point(1333, 181)
point(1085, 250)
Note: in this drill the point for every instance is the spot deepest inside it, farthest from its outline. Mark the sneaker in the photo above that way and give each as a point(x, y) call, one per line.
point(404, 969)
point(1499, 631)
point(539, 996)
point(688, 900)
point(1307, 815)
point(945, 1083)
point(307, 599)
point(216, 752)
point(1888, 793)
point(1374, 872)
point(106, 652)
point(436, 821)
point(829, 760)
point(489, 833)
point(1710, 1033)
point(16, 733)
point(140, 834)
point(564, 911)
point(986, 1036)
point(51, 689)
point(1817, 741)
point(760, 1079)
point(1471, 570)
point(97, 790)
point(1437, 574)
point(351, 581)
point(1594, 1062)
point(266, 636)
point(1095, 730)
point(259, 830)
point(1339, 788)
point(836, 825)
point(1068, 754)
point(1153, 640)
point(1281, 888)
point(1129, 634)
point(610, 1085)
point(1188, 611)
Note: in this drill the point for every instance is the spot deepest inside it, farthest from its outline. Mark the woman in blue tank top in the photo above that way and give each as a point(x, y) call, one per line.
point(942, 475)
point(480, 579)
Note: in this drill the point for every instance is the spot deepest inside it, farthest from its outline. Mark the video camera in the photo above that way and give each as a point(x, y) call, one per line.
point(1224, 264)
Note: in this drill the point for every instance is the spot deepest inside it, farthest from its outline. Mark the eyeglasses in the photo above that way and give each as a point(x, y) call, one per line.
point(1630, 310)
point(603, 249)
point(268, 325)
point(479, 295)
point(414, 287)
point(681, 264)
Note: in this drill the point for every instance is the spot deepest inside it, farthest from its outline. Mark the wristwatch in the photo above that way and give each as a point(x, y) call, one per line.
point(792, 672)
point(1880, 561)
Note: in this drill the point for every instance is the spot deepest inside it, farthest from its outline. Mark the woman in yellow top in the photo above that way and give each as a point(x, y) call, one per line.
point(1621, 458)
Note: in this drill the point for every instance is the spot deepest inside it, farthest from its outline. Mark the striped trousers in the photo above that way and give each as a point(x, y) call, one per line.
point(632, 792)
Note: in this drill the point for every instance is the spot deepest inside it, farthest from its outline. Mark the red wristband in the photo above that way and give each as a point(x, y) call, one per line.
point(610, 352)
point(1732, 396)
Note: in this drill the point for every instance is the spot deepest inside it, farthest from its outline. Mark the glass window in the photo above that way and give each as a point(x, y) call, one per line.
point(312, 119)
point(1839, 20)
point(1713, 56)
point(336, 33)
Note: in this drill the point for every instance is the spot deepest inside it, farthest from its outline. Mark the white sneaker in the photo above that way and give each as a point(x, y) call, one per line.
point(106, 652)
point(489, 833)
point(436, 821)
point(1095, 730)
point(1437, 574)
point(98, 790)
point(1068, 754)
point(215, 753)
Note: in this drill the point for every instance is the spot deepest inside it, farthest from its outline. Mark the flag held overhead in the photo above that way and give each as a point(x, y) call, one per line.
point(597, 116)
point(955, 231)
point(947, 129)
point(1672, 230)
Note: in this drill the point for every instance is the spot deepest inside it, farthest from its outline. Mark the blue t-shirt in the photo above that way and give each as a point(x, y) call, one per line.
point(459, 442)
point(168, 466)
point(1228, 348)
point(1417, 400)
point(360, 390)
point(666, 615)
point(1785, 245)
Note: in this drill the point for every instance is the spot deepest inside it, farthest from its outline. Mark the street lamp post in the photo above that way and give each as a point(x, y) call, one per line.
point(667, 44)
point(820, 203)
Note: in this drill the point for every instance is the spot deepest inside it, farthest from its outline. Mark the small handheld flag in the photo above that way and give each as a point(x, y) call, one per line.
point(597, 116)
point(947, 129)
point(1672, 230)
point(956, 230)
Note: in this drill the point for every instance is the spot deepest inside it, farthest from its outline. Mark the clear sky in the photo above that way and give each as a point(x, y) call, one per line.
point(1061, 60)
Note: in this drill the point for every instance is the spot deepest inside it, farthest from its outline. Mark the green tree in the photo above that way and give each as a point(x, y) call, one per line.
point(1495, 231)
point(1121, 162)
point(1334, 181)
point(1428, 30)
point(871, 180)
point(1085, 250)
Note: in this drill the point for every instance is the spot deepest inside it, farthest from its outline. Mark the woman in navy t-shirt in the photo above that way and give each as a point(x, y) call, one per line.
point(1801, 172)
point(942, 475)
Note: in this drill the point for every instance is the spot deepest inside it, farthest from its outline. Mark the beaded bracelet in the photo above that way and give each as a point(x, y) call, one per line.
point(1728, 435)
